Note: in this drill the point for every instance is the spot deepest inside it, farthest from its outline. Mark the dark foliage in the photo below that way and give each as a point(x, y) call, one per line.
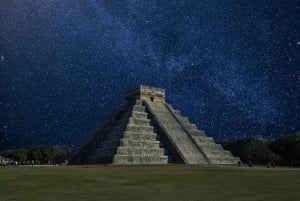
point(251, 149)
point(283, 151)
point(289, 149)
point(38, 154)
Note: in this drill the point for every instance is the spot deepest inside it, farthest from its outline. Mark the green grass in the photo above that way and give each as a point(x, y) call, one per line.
point(167, 183)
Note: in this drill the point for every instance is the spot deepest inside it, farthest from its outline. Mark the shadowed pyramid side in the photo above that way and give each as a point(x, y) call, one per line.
point(81, 154)
point(129, 138)
point(147, 130)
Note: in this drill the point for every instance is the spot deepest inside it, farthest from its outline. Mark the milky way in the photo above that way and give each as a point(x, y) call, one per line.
point(232, 67)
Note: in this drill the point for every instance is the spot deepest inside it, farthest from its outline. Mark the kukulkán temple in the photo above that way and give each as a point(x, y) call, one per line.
point(147, 130)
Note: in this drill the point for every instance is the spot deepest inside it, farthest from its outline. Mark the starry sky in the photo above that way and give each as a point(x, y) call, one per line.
point(232, 67)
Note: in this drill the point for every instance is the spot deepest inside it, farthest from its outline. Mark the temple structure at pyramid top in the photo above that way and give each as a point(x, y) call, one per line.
point(146, 93)
point(147, 130)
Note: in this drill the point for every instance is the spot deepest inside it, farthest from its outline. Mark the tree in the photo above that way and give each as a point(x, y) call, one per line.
point(35, 154)
point(60, 153)
point(250, 149)
point(257, 150)
point(289, 149)
point(48, 154)
point(21, 156)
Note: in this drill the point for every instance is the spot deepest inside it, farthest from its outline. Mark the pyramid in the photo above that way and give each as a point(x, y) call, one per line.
point(147, 130)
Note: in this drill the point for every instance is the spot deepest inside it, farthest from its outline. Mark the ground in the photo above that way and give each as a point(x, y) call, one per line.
point(167, 183)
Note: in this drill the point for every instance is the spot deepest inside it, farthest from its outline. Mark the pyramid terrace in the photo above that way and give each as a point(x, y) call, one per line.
point(147, 130)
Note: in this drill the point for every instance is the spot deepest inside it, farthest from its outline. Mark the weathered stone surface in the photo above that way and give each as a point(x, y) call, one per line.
point(146, 130)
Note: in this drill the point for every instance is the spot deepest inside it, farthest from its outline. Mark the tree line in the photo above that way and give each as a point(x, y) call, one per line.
point(37, 154)
point(284, 151)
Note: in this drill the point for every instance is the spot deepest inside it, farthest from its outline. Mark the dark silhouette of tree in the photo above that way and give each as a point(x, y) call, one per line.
point(21, 155)
point(250, 149)
point(43, 155)
point(289, 149)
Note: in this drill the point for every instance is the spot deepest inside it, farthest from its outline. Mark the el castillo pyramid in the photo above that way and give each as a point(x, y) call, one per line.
point(147, 130)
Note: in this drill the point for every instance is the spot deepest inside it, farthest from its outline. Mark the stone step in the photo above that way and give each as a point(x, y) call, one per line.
point(132, 140)
point(219, 155)
point(139, 136)
point(224, 161)
point(176, 112)
point(139, 121)
point(213, 151)
point(139, 129)
point(197, 161)
point(139, 102)
point(182, 119)
point(218, 152)
point(138, 132)
point(197, 133)
point(180, 137)
point(203, 139)
point(209, 149)
point(138, 108)
point(210, 146)
point(207, 144)
point(160, 111)
point(170, 106)
point(190, 126)
point(140, 151)
point(140, 115)
point(137, 159)
point(187, 150)
point(139, 143)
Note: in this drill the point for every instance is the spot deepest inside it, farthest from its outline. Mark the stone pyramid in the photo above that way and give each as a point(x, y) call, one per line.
point(147, 130)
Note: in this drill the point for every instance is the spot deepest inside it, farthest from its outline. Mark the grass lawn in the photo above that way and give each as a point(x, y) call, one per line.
point(167, 183)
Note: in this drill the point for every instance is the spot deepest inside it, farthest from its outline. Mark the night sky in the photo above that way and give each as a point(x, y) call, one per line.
point(232, 67)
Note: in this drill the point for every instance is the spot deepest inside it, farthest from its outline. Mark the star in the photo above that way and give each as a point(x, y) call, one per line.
point(231, 69)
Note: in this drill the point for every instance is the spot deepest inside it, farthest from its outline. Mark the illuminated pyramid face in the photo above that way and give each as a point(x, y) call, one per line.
point(147, 130)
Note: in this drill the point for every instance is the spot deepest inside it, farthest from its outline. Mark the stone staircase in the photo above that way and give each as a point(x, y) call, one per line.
point(131, 141)
point(139, 144)
point(136, 132)
point(214, 152)
point(187, 148)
